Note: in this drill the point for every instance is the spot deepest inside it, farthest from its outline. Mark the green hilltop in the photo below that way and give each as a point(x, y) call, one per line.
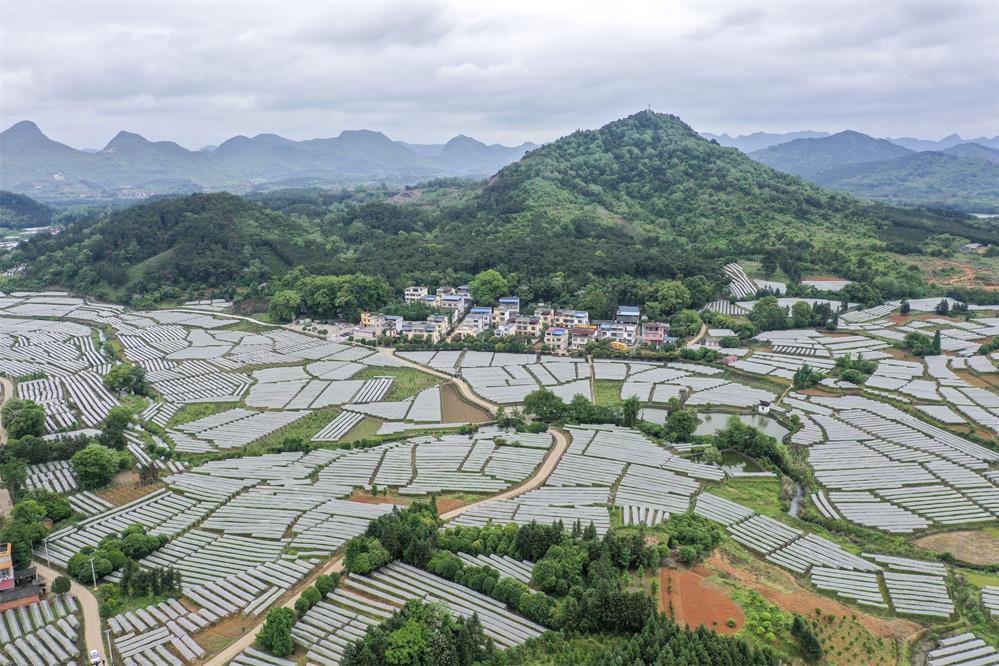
point(595, 217)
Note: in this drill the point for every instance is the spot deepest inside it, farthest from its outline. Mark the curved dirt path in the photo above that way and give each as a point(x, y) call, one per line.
point(88, 605)
point(697, 338)
point(465, 390)
point(537, 479)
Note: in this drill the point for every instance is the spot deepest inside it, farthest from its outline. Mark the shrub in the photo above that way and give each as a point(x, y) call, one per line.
point(60, 585)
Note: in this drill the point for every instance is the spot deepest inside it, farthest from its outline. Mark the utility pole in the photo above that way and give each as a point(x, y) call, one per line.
point(93, 573)
point(47, 560)
point(110, 657)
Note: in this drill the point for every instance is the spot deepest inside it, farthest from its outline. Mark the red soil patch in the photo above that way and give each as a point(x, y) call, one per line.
point(696, 601)
point(445, 504)
point(368, 498)
point(794, 598)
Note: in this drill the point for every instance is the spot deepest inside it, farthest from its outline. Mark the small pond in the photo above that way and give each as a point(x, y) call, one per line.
point(736, 463)
point(712, 422)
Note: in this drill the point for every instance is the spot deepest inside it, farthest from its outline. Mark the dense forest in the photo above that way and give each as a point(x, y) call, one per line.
point(18, 211)
point(595, 218)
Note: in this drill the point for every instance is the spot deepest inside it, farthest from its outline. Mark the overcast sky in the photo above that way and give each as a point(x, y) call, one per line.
point(200, 72)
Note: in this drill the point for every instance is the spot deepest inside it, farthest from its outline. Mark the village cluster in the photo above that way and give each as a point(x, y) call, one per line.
point(244, 529)
point(560, 331)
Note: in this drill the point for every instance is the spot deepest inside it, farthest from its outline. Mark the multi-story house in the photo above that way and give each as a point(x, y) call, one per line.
point(415, 294)
point(557, 339)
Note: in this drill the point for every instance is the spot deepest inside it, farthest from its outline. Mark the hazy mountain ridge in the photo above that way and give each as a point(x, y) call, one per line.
point(132, 165)
point(964, 177)
point(612, 209)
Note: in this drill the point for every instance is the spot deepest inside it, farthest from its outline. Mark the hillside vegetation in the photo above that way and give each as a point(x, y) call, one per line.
point(963, 177)
point(18, 211)
point(595, 218)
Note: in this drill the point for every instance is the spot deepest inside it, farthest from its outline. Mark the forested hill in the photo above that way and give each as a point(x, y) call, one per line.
point(18, 211)
point(964, 177)
point(591, 219)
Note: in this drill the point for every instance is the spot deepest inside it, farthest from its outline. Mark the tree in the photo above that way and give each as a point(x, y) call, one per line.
point(13, 474)
point(22, 418)
point(681, 424)
point(545, 405)
point(275, 635)
point(685, 324)
point(670, 297)
point(905, 307)
point(126, 377)
point(801, 315)
point(629, 411)
point(768, 314)
point(936, 342)
point(94, 466)
point(943, 307)
point(808, 644)
point(805, 377)
point(365, 554)
point(61, 585)
point(115, 425)
point(285, 305)
point(488, 286)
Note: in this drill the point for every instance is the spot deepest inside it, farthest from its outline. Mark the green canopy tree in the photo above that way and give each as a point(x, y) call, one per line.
point(488, 286)
point(94, 466)
point(22, 418)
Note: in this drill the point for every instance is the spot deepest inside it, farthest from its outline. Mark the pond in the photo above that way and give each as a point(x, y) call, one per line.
point(736, 463)
point(712, 422)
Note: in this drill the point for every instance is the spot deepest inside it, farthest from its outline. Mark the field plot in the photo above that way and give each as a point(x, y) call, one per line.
point(649, 483)
point(41, 634)
point(962, 650)
point(887, 469)
point(362, 601)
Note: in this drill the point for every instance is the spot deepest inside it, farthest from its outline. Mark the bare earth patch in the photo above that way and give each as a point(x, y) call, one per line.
point(696, 601)
point(779, 587)
point(128, 489)
point(454, 409)
point(972, 546)
point(368, 498)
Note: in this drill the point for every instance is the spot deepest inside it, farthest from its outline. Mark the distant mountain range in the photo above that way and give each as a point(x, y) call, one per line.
point(130, 165)
point(747, 143)
point(962, 176)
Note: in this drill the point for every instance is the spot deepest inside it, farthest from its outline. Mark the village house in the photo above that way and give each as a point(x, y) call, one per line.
point(478, 319)
point(971, 248)
point(415, 294)
point(528, 327)
point(454, 302)
point(571, 318)
point(620, 332)
point(544, 314)
point(654, 333)
point(557, 340)
point(581, 336)
point(628, 314)
point(510, 303)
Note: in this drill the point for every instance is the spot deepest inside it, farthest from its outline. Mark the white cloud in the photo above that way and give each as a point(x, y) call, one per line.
point(201, 72)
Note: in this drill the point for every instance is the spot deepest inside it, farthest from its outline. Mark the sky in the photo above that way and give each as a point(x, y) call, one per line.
point(502, 71)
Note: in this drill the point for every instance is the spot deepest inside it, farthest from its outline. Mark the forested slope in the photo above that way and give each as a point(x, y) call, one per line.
point(594, 218)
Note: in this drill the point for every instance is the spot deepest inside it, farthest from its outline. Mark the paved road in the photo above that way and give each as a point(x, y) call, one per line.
point(536, 480)
point(88, 604)
point(465, 390)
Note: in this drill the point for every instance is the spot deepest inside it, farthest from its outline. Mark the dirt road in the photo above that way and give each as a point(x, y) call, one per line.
point(536, 480)
point(88, 604)
point(464, 388)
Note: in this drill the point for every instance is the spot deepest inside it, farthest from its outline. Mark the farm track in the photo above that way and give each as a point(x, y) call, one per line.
point(537, 479)
point(88, 606)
